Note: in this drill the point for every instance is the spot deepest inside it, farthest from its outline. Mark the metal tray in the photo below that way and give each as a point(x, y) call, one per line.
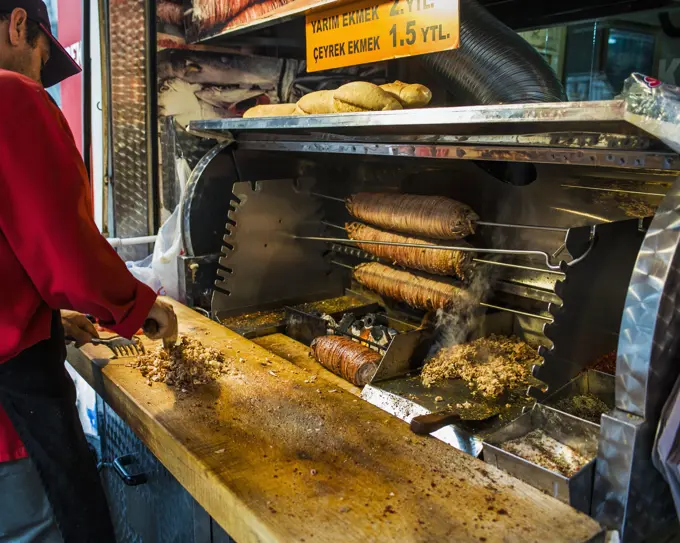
point(508, 119)
point(598, 384)
point(576, 433)
point(400, 392)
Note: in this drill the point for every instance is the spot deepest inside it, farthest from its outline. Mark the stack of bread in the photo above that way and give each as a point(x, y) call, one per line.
point(353, 97)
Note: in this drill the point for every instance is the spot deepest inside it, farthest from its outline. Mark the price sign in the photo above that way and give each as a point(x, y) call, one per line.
point(374, 30)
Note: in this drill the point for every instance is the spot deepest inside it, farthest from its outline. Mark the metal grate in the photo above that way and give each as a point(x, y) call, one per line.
point(160, 510)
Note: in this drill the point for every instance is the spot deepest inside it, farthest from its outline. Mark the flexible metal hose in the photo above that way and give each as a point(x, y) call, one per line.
point(494, 65)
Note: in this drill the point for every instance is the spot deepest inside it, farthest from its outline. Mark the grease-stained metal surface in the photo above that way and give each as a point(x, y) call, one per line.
point(578, 434)
point(576, 140)
point(263, 266)
point(407, 397)
point(592, 293)
point(260, 323)
point(535, 155)
point(509, 119)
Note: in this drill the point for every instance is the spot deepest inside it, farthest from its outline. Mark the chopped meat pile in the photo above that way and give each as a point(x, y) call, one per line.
point(605, 364)
point(584, 406)
point(185, 365)
point(539, 448)
point(490, 366)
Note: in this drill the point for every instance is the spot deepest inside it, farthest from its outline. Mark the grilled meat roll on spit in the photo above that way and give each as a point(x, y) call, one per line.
point(430, 216)
point(436, 261)
point(350, 360)
point(416, 291)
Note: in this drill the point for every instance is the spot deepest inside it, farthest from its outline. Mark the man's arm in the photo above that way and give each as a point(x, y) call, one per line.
point(45, 214)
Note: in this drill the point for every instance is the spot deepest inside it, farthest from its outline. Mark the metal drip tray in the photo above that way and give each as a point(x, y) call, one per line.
point(577, 434)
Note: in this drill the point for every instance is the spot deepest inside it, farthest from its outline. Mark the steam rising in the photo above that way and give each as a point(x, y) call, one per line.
point(454, 327)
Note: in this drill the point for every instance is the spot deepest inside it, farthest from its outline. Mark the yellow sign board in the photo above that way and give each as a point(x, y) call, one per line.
point(374, 30)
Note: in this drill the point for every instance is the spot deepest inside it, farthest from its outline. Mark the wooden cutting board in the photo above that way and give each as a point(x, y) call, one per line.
point(273, 455)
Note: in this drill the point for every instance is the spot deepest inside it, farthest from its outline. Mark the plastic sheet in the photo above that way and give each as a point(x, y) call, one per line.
point(655, 107)
point(159, 271)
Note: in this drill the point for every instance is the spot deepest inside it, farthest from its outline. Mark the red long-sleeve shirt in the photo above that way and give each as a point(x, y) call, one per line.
point(52, 255)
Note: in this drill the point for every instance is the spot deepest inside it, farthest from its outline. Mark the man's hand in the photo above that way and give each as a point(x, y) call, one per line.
point(163, 315)
point(77, 326)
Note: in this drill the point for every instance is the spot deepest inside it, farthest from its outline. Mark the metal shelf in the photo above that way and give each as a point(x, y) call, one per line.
point(600, 134)
point(633, 159)
point(606, 116)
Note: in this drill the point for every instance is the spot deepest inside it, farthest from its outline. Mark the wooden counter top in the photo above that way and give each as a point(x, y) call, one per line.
point(273, 455)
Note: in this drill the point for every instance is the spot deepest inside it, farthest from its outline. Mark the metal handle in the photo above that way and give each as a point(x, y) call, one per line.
point(426, 424)
point(520, 252)
point(121, 464)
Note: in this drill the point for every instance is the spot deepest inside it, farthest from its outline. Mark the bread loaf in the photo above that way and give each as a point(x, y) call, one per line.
point(414, 95)
point(316, 103)
point(270, 110)
point(363, 96)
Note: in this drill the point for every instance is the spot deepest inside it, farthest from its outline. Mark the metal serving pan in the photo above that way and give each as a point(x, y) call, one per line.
point(578, 434)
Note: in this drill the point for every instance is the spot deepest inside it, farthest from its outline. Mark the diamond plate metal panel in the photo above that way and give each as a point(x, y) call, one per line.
point(648, 342)
point(159, 511)
point(130, 90)
point(630, 495)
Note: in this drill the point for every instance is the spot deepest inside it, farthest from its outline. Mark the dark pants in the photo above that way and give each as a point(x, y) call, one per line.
point(26, 515)
point(39, 397)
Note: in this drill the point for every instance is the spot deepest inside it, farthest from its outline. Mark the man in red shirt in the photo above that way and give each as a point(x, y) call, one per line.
point(52, 257)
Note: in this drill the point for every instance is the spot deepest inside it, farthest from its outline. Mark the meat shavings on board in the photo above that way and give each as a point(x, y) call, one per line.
point(541, 449)
point(187, 364)
point(490, 366)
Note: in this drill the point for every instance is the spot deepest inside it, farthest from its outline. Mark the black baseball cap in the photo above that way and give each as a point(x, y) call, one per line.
point(60, 65)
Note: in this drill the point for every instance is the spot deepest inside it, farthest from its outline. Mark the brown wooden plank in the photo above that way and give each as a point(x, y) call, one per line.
point(300, 355)
point(272, 458)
